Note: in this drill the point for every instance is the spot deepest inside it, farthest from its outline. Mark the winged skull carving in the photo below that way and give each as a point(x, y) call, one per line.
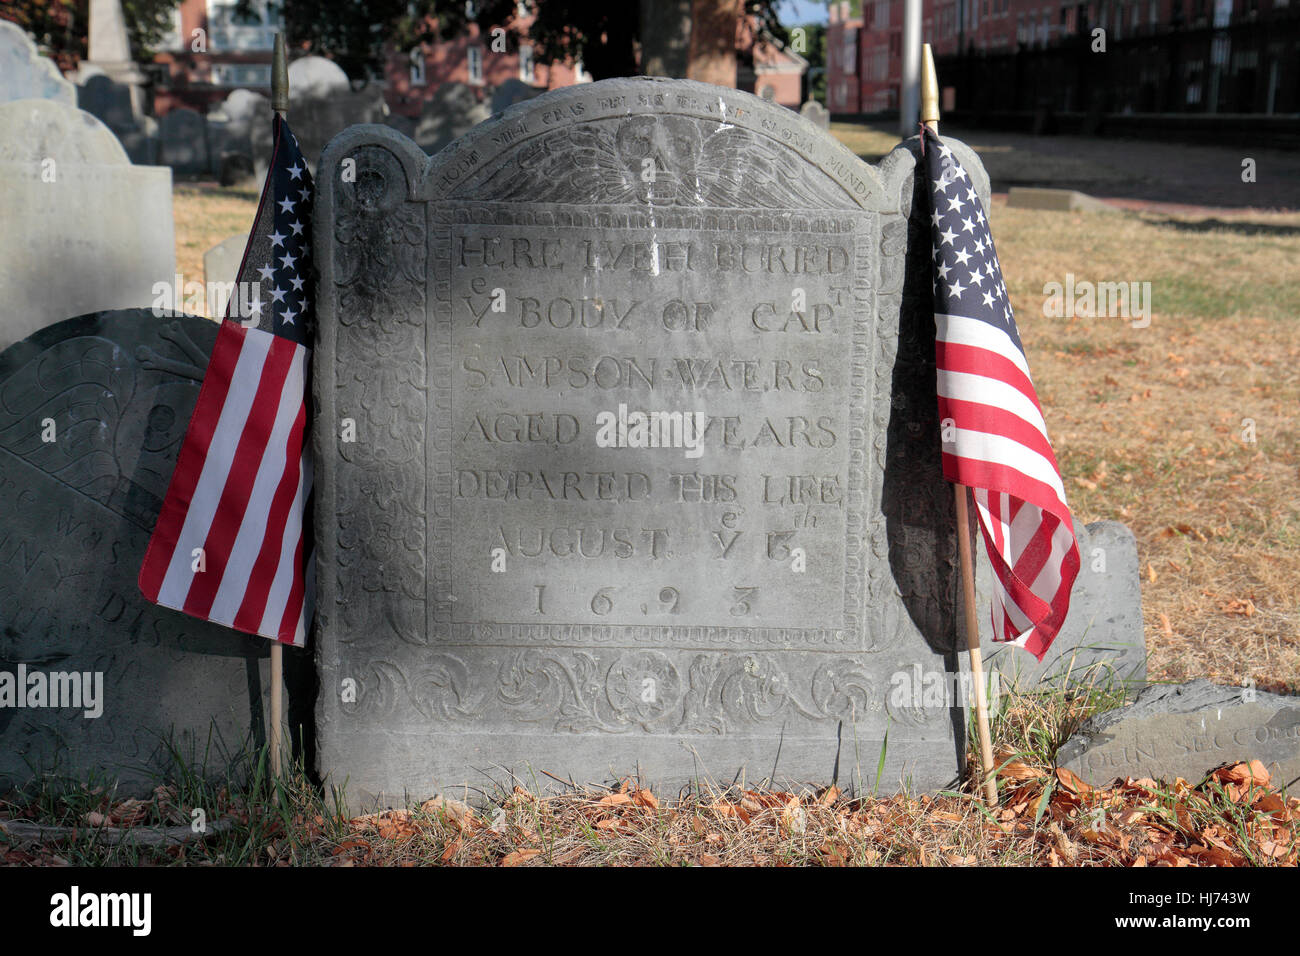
point(662, 161)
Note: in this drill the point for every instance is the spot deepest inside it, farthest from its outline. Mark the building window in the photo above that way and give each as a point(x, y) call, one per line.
point(241, 74)
point(526, 64)
point(417, 67)
point(231, 29)
point(474, 64)
point(580, 74)
point(521, 8)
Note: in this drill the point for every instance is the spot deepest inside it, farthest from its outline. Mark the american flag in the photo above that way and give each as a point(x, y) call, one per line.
point(233, 540)
point(994, 437)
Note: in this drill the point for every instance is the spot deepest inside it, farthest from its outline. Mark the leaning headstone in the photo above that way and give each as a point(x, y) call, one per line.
point(86, 230)
point(92, 413)
point(1186, 730)
point(25, 74)
point(504, 589)
point(1101, 643)
point(183, 142)
point(816, 114)
point(512, 91)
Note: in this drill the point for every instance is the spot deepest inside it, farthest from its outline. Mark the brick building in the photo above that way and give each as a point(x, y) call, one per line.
point(1168, 55)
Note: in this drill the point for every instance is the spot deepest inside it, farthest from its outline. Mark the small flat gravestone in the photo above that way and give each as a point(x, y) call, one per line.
point(25, 74)
point(92, 413)
point(816, 114)
point(86, 230)
point(1186, 730)
point(221, 268)
point(513, 582)
point(1102, 643)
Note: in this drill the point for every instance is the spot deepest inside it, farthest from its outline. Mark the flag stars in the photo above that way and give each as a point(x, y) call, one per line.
point(286, 204)
point(948, 236)
point(296, 226)
point(277, 238)
point(295, 171)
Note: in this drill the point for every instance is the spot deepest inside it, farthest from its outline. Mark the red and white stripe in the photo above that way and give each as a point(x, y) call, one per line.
point(238, 494)
point(995, 442)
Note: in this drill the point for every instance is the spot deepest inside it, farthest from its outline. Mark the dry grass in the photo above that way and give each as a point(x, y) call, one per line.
point(206, 214)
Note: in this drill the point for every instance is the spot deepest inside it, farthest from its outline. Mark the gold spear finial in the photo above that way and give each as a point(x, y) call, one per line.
point(929, 89)
point(279, 78)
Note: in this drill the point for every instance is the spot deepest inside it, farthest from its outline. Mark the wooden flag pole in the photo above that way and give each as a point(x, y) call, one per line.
point(280, 105)
point(966, 560)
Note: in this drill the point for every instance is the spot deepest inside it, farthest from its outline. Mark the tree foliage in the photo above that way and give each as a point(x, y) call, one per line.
point(604, 36)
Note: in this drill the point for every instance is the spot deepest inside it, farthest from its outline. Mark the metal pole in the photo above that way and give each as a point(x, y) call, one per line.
point(909, 95)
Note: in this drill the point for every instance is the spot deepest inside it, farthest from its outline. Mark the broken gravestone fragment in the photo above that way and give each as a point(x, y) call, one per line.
point(1186, 730)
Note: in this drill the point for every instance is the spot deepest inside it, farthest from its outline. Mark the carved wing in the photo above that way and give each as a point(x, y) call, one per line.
point(577, 165)
point(738, 169)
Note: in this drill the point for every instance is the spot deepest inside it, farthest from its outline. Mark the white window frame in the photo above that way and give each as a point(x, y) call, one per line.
point(527, 66)
point(474, 65)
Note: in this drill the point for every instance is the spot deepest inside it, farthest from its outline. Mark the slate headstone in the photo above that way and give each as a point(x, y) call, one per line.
point(183, 142)
point(315, 120)
point(512, 91)
point(92, 413)
point(648, 614)
point(25, 74)
point(452, 111)
point(1186, 730)
point(1102, 642)
point(111, 103)
point(85, 229)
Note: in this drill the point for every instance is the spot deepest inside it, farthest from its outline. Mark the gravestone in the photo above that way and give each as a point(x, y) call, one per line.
point(25, 74)
point(316, 77)
point(220, 270)
point(512, 91)
point(452, 111)
point(1102, 641)
point(183, 142)
point(1186, 730)
point(111, 103)
point(647, 614)
point(230, 135)
point(816, 114)
point(315, 120)
point(96, 232)
point(92, 413)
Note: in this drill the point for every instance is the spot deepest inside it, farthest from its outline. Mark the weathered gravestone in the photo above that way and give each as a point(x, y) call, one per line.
point(111, 103)
point(84, 229)
point(1186, 730)
point(1102, 642)
point(25, 74)
point(647, 614)
point(452, 111)
point(512, 91)
point(316, 120)
point(816, 114)
point(92, 413)
point(183, 142)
